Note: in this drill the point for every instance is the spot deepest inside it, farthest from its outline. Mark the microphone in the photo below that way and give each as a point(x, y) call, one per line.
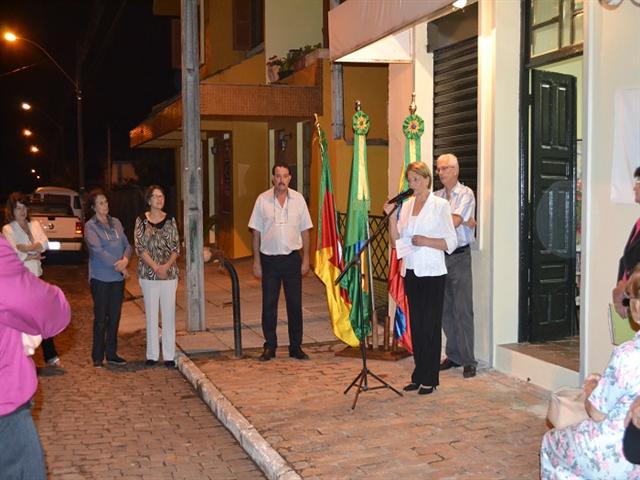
point(401, 197)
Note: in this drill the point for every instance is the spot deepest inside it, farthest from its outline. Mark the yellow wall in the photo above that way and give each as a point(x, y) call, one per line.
point(250, 178)
point(369, 84)
point(291, 24)
point(248, 72)
point(219, 52)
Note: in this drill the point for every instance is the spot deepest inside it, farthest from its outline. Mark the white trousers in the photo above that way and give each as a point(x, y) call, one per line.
point(160, 293)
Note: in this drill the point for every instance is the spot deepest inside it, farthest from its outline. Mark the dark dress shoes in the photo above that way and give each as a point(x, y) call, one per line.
point(425, 390)
point(411, 387)
point(469, 371)
point(299, 354)
point(447, 364)
point(150, 363)
point(267, 354)
point(116, 360)
point(170, 363)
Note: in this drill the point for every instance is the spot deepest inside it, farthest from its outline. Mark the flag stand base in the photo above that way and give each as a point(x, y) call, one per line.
point(374, 354)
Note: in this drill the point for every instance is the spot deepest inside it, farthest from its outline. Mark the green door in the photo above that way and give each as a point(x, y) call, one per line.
point(553, 220)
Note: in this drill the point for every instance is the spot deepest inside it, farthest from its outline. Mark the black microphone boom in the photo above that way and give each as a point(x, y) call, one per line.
point(401, 197)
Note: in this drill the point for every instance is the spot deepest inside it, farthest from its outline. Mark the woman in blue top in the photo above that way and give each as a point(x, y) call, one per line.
point(109, 254)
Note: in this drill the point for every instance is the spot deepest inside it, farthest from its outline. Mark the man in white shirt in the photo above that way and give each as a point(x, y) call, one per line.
point(280, 222)
point(457, 317)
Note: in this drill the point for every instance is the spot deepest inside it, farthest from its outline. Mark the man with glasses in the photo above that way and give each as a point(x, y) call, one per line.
point(457, 317)
point(280, 222)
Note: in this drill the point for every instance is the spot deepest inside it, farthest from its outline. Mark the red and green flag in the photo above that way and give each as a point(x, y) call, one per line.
point(328, 261)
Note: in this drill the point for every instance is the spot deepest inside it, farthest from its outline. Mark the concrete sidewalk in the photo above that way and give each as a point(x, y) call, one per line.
point(294, 420)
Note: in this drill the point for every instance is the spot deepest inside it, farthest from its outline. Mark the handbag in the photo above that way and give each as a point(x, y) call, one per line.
point(566, 407)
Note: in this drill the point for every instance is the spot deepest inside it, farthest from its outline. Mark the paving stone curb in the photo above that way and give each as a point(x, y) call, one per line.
point(261, 452)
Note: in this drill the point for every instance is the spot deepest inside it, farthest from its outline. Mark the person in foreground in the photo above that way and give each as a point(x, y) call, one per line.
point(593, 447)
point(158, 246)
point(29, 241)
point(630, 256)
point(421, 235)
point(30, 310)
point(109, 255)
point(457, 317)
point(280, 222)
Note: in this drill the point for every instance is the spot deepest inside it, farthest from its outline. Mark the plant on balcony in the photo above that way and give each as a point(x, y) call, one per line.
point(293, 61)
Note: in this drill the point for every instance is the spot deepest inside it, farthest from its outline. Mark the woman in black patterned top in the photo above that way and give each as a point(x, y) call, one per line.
point(158, 246)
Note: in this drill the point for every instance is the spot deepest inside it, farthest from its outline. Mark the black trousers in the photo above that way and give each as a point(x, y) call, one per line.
point(48, 349)
point(426, 298)
point(107, 305)
point(277, 271)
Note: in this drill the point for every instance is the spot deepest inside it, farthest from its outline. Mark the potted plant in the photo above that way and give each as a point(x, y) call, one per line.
point(274, 66)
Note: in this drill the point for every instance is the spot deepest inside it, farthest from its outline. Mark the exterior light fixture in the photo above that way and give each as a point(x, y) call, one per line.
point(26, 132)
point(34, 149)
point(25, 106)
point(283, 140)
point(10, 37)
point(459, 4)
point(38, 177)
point(33, 170)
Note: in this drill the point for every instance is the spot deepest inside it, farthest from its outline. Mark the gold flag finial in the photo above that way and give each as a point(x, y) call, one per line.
point(413, 107)
point(357, 105)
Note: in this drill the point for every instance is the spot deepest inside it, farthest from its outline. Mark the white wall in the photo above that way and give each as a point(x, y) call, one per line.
point(612, 61)
point(496, 263)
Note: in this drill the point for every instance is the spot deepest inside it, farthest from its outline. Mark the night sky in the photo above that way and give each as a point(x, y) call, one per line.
point(127, 70)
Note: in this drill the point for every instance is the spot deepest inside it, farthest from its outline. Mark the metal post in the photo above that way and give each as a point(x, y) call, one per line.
point(78, 94)
point(192, 166)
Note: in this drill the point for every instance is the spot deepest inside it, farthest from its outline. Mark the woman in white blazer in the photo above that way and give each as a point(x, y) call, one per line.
point(422, 233)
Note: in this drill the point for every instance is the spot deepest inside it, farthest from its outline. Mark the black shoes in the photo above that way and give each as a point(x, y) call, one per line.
point(469, 371)
point(150, 363)
point(411, 387)
point(267, 354)
point(425, 390)
point(116, 361)
point(170, 363)
point(299, 354)
point(447, 364)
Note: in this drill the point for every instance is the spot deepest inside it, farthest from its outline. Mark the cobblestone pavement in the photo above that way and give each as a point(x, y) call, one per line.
point(124, 422)
point(488, 427)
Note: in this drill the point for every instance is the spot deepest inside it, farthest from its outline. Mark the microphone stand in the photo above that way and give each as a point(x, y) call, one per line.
point(362, 379)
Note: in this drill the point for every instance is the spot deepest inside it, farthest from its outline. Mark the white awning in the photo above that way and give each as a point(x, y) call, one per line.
point(356, 24)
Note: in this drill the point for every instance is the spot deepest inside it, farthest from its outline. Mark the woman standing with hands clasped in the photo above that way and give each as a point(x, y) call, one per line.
point(158, 247)
point(421, 235)
point(29, 241)
point(109, 255)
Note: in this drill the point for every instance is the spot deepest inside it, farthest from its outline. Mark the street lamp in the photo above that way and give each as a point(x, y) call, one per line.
point(26, 132)
point(12, 37)
point(25, 106)
point(34, 149)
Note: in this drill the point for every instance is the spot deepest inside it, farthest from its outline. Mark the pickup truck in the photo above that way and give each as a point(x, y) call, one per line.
point(63, 229)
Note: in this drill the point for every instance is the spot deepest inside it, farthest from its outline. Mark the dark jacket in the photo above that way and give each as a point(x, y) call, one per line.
point(630, 256)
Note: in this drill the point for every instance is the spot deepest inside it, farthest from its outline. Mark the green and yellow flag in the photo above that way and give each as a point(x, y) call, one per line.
point(358, 228)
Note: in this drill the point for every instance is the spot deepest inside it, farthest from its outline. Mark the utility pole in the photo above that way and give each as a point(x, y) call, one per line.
point(192, 166)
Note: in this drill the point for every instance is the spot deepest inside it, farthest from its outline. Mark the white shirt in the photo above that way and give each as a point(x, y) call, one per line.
point(462, 203)
point(280, 225)
point(434, 221)
point(15, 235)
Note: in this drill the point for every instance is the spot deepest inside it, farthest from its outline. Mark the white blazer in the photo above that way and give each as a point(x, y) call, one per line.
point(434, 221)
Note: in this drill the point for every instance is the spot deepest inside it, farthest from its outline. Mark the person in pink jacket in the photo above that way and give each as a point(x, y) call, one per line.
point(30, 309)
